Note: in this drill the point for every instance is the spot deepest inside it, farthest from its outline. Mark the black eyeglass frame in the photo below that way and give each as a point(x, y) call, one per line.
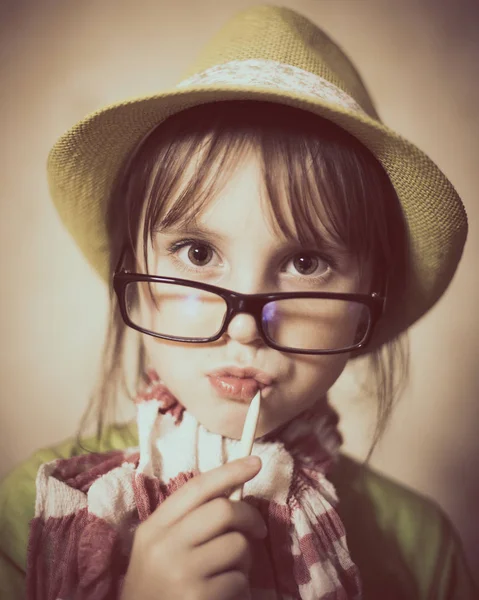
point(237, 303)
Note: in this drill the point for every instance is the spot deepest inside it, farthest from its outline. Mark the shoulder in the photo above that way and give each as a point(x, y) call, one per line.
point(17, 501)
point(402, 541)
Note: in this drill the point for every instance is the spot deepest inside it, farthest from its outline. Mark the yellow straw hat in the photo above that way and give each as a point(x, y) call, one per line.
point(271, 54)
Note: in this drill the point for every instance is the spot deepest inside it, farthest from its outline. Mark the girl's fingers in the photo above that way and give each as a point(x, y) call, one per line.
point(220, 516)
point(229, 552)
point(202, 488)
point(231, 585)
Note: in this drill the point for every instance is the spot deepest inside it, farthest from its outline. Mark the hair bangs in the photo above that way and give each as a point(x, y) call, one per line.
point(323, 187)
point(188, 173)
point(320, 191)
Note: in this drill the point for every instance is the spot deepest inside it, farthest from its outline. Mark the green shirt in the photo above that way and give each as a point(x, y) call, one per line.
point(403, 543)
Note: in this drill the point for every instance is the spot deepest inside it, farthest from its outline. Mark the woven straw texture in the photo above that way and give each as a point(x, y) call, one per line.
point(84, 162)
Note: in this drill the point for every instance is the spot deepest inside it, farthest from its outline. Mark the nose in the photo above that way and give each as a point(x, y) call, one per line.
point(243, 329)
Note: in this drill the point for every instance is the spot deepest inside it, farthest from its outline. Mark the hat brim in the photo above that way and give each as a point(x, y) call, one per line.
point(84, 163)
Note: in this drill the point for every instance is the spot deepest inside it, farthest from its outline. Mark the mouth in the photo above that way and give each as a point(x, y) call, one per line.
point(235, 383)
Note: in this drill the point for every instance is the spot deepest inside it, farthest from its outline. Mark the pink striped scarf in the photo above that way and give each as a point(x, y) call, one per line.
point(87, 507)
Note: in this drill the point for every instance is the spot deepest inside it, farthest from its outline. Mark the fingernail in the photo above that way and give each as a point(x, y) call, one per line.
point(252, 461)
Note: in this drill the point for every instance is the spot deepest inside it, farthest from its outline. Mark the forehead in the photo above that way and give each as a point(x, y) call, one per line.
point(240, 205)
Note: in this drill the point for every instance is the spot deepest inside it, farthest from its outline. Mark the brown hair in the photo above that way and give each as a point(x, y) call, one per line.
point(184, 161)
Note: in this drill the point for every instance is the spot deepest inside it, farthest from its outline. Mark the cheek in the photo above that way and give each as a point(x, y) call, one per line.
point(316, 374)
point(169, 360)
point(311, 379)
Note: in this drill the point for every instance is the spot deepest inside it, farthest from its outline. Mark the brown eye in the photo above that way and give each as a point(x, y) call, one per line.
point(200, 254)
point(305, 264)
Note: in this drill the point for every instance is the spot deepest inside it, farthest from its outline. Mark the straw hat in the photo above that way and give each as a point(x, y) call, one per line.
point(271, 54)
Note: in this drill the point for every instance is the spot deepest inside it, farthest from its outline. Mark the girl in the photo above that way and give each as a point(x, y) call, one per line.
point(259, 227)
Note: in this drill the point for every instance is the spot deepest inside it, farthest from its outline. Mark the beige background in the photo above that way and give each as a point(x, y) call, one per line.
point(62, 59)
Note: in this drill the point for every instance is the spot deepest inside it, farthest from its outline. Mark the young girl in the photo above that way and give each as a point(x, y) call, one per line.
point(258, 227)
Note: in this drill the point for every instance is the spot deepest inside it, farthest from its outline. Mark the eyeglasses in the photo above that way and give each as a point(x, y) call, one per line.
point(301, 322)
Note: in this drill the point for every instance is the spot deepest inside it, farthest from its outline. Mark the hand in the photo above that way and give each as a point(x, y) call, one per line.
point(196, 544)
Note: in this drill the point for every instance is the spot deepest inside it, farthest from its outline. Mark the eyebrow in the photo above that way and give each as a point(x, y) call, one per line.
point(193, 230)
point(322, 244)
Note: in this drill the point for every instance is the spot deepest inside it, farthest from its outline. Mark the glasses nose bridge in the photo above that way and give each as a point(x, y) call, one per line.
point(245, 304)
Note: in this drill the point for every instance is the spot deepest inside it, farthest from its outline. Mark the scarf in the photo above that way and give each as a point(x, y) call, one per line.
point(88, 507)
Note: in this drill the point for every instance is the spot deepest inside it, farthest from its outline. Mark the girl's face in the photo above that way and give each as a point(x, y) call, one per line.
point(234, 245)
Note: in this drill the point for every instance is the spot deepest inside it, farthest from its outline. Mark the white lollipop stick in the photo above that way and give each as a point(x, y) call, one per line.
point(247, 439)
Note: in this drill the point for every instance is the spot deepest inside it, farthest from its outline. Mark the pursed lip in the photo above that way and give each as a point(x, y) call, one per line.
point(263, 379)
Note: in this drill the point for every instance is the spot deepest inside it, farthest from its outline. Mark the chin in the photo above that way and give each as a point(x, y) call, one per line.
point(230, 430)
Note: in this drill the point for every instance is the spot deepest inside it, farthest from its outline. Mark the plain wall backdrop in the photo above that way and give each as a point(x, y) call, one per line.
point(60, 60)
